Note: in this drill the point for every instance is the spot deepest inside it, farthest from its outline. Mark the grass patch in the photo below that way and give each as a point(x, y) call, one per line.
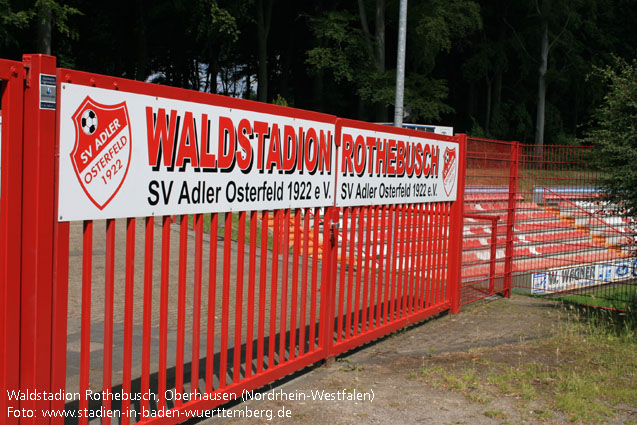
point(587, 370)
point(619, 297)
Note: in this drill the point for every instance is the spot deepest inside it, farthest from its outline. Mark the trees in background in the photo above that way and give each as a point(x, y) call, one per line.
point(505, 69)
point(615, 133)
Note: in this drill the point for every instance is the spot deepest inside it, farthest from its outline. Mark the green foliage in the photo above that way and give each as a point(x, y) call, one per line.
point(615, 133)
point(60, 15)
point(280, 100)
point(10, 21)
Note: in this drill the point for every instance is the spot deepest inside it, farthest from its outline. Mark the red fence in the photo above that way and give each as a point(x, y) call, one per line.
point(199, 305)
point(555, 232)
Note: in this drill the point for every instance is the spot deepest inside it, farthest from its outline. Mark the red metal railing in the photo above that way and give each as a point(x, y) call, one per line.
point(226, 305)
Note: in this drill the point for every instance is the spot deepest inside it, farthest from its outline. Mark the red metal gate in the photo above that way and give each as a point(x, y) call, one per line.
point(203, 305)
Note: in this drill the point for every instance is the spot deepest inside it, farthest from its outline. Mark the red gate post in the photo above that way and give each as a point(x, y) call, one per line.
point(10, 226)
point(38, 218)
point(454, 275)
point(328, 277)
point(513, 187)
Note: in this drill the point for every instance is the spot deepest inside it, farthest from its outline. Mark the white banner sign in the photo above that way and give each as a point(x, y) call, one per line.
point(131, 155)
point(582, 276)
point(382, 167)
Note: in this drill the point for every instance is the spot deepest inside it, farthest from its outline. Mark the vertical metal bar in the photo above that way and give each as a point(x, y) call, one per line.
point(11, 242)
point(313, 293)
point(285, 256)
point(128, 318)
point(262, 285)
point(510, 225)
point(85, 342)
point(445, 254)
point(350, 275)
point(394, 263)
point(148, 308)
point(389, 266)
point(251, 282)
point(439, 248)
point(326, 320)
point(60, 300)
point(423, 263)
point(400, 256)
point(343, 263)
point(381, 249)
point(454, 277)
point(37, 233)
point(212, 302)
point(305, 271)
point(373, 300)
point(109, 282)
point(274, 286)
point(409, 265)
point(430, 252)
point(181, 308)
point(163, 312)
point(359, 268)
point(328, 285)
point(196, 303)
point(494, 241)
point(417, 271)
point(236, 365)
point(225, 299)
point(295, 280)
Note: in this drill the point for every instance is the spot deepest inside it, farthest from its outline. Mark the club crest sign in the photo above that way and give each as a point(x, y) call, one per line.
point(449, 170)
point(102, 151)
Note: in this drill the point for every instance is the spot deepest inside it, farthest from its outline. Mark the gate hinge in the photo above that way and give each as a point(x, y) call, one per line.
point(27, 73)
point(333, 234)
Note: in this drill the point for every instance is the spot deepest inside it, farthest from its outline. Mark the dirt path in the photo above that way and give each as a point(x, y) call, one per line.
point(392, 371)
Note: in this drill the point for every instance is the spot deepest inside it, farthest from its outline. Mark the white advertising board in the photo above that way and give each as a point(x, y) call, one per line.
point(582, 276)
point(379, 167)
point(131, 155)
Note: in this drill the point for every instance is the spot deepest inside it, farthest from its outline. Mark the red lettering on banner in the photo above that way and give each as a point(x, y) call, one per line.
point(289, 148)
point(207, 160)
point(274, 150)
point(359, 155)
point(161, 134)
point(325, 152)
point(381, 156)
point(187, 148)
point(391, 158)
point(434, 160)
point(226, 151)
point(347, 146)
point(244, 158)
point(409, 159)
point(418, 164)
point(310, 147)
point(400, 158)
point(371, 145)
point(261, 128)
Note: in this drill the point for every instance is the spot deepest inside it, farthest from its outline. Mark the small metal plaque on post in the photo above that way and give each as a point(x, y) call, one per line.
point(47, 91)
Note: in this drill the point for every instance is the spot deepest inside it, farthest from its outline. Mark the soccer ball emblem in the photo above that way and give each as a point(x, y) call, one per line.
point(89, 122)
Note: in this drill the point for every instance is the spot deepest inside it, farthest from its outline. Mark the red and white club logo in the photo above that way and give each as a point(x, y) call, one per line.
point(449, 170)
point(102, 150)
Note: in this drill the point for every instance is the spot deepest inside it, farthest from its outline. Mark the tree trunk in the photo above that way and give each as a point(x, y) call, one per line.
point(381, 110)
point(487, 118)
point(497, 96)
point(141, 47)
point(263, 29)
point(541, 92)
point(44, 30)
